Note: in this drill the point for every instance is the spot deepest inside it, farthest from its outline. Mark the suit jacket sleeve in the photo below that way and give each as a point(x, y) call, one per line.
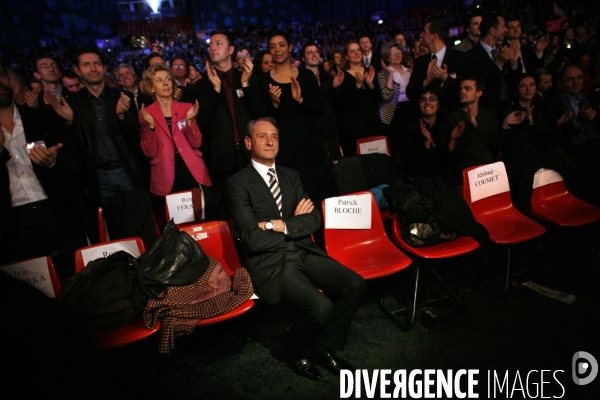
point(246, 208)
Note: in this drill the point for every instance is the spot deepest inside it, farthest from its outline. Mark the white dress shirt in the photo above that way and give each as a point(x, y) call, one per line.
point(24, 185)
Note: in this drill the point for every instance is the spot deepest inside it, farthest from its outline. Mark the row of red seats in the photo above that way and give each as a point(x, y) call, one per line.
point(369, 252)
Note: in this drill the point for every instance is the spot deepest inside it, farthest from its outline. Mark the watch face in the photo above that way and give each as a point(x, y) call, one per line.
point(269, 225)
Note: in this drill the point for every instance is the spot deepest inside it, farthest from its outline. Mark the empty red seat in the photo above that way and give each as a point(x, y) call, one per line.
point(554, 203)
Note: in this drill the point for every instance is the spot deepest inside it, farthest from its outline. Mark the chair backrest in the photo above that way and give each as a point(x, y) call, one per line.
point(489, 181)
point(84, 255)
point(337, 240)
point(373, 144)
point(183, 209)
point(215, 239)
point(548, 183)
point(38, 272)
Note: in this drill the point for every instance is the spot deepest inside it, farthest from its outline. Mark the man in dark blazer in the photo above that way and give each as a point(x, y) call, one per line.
point(275, 218)
point(531, 58)
point(229, 98)
point(106, 136)
point(41, 206)
point(105, 130)
point(440, 67)
point(369, 56)
point(498, 66)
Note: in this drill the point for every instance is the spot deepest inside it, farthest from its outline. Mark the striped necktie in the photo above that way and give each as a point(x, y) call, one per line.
point(275, 189)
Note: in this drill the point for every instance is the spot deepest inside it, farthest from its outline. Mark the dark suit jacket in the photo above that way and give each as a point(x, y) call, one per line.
point(63, 93)
point(560, 136)
point(453, 60)
point(216, 123)
point(376, 60)
point(478, 62)
point(251, 201)
point(144, 99)
point(60, 181)
point(125, 133)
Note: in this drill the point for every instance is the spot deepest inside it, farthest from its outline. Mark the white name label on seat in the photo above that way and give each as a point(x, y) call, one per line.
point(375, 146)
point(106, 250)
point(348, 212)
point(545, 177)
point(487, 181)
point(34, 272)
point(180, 207)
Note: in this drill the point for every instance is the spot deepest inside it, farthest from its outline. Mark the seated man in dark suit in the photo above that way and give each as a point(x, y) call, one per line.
point(274, 218)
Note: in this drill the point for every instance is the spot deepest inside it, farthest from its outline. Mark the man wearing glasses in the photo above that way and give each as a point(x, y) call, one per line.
point(181, 69)
point(242, 54)
point(48, 72)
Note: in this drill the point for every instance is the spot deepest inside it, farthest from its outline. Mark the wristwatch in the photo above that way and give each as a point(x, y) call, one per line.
point(269, 225)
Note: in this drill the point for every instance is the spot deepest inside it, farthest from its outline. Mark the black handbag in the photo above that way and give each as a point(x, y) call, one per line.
point(175, 259)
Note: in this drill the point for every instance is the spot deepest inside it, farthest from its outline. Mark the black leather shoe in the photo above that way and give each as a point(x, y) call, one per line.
point(332, 362)
point(306, 369)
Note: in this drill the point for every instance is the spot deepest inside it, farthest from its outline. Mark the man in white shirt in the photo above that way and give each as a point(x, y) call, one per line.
point(41, 211)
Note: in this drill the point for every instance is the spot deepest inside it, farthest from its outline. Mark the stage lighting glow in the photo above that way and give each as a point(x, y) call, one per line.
point(380, 22)
point(153, 4)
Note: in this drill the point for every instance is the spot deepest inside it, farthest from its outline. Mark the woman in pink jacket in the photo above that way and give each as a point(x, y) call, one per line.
point(170, 136)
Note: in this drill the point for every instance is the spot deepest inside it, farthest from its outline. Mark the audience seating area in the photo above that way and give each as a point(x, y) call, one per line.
point(368, 251)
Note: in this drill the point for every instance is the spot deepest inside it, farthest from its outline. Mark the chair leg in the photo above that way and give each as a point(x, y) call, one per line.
point(395, 315)
point(507, 272)
point(414, 307)
point(450, 292)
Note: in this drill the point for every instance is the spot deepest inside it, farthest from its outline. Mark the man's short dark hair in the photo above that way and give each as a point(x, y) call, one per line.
point(431, 89)
point(88, 50)
point(488, 22)
point(307, 45)
point(537, 75)
point(251, 124)
point(227, 36)
point(242, 49)
point(512, 18)
point(187, 64)
point(479, 85)
point(150, 57)
point(560, 74)
point(69, 73)
point(440, 27)
point(469, 18)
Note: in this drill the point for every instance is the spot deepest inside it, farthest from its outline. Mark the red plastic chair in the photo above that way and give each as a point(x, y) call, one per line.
point(133, 332)
point(215, 239)
point(505, 224)
point(102, 228)
point(368, 252)
point(362, 148)
point(38, 272)
point(554, 203)
point(453, 248)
